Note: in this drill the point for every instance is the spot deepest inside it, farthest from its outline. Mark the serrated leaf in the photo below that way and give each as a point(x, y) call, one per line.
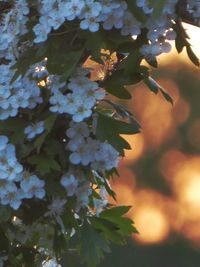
point(167, 96)
point(109, 129)
point(94, 43)
point(108, 229)
point(182, 41)
point(63, 63)
point(115, 126)
point(43, 163)
point(192, 56)
point(155, 88)
point(131, 63)
point(115, 85)
point(115, 212)
point(115, 215)
point(93, 245)
point(157, 7)
point(152, 84)
point(39, 141)
point(152, 62)
point(49, 121)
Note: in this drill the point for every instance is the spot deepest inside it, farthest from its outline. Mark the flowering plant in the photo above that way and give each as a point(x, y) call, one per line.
point(60, 134)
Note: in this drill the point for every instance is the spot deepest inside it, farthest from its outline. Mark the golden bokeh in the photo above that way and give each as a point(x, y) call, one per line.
point(152, 224)
point(157, 215)
point(137, 147)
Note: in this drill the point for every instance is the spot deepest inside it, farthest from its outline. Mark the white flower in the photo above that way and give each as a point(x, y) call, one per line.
point(90, 24)
point(82, 155)
point(56, 207)
point(50, 263)
point(3, 142)
point(70, 183)
point(33, 186)
point(72, 9)
point(78, 130)
point(34, 129)
point(41, 31)
point(82, 113)
point(12, 197)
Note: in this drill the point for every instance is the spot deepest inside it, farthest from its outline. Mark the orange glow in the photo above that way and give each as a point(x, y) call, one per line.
point(151, 212)
point(191, 192)
point(193, 134)
point(154, 214)
point(170, 162)
point(152, 224)
point(181, 111)
point(154, 113)
point(137, 145)
point(186, 184)
point(192, 231)
point(125, 195)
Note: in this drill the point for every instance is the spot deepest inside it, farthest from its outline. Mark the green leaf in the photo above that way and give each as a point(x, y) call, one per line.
point(54, 188)
point(27, 59)
point(39, 141)
point(49, 121)
point(63, 63)
point(157, 7)
point(125, 225)
point(5, 213)
point(152, 84)
point(192, 56)
point(115, 85)
point(109, 129)
point(94, 43)
point(13, 127)
point(131, 63)
point(108, 229)
point(92, 245)
point(167, 96)
point(155, 88)
point(182, 41)
point(43, 163)
point(137, 12)
point(127, 73)
point(115, 126)
point(54, 149)
point(115, 212)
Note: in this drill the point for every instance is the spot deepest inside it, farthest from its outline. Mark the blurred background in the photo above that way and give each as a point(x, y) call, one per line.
point(160, 176)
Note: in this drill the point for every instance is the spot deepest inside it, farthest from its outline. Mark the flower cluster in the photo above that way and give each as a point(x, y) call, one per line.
point(23, 93)
point(194, 9)
point(61, 141)
point(91, 13)
point(87, 150)
point(15, 185)
point(111, 14)
point(76, 184)
point(34, 129)
point(159, 30)
point(79, 97)
point(12, 26)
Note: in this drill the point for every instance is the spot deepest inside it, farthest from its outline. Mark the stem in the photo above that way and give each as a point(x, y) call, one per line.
point(62, 33)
